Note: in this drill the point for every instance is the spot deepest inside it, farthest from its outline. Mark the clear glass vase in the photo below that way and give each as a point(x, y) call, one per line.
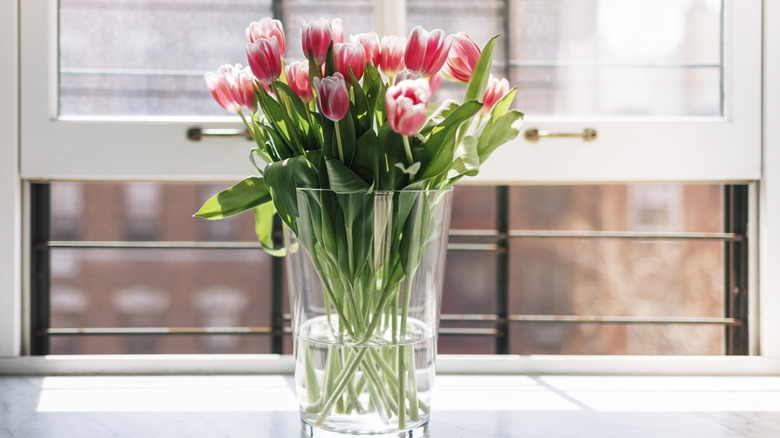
point(365, 279)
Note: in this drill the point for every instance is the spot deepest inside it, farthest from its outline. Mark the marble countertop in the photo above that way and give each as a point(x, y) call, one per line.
point(261, 406)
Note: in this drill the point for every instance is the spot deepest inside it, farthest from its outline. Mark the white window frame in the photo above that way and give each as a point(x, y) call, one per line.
point(21, 126)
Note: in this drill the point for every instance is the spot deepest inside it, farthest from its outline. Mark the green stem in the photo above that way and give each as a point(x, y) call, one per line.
point(408, 150)
point(343, 378)
point(312, 388)
point(338, 140)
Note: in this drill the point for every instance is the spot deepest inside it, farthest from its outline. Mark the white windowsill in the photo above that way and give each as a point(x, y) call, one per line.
point(495, 406)
point(446, 364)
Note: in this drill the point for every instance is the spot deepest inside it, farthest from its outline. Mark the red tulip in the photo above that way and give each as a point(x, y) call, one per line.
point(297, 74)
point(265, 29)
point(232, 86)
point(495, 90)
point(463, 56)
point(348, 55)
point(332, 96)
point(426, 52)
point(370, 42)
point(265, 60)
point(391, 55)
point(406, 103)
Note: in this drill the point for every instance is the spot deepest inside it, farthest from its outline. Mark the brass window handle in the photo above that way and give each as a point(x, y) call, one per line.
point(587, 134)
point(197, 133)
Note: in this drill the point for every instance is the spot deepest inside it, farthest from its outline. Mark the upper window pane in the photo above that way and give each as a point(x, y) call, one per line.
point(567, 57)
point(616, 57)
point(148, 57)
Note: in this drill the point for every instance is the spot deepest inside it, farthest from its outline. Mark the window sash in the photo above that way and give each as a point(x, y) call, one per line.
point(724, 148)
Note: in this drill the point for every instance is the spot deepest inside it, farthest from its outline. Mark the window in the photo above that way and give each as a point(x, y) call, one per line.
point(692, 149)
point(531, 270)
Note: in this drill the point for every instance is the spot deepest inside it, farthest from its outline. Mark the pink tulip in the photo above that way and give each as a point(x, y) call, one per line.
point(338, 30)
point(233, 87)
point(435, 82)
point(297, 74)
point(407, 103)
point(265, 29)
point(463, 56)
point(332, 96)
point(265, 60)
point(316, 37)
point(348, 55)
point(391, 55)
point(426, 52)
point(495, 90)
point(370, 42)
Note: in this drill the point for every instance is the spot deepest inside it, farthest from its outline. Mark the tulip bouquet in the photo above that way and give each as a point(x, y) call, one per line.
point(354, 119)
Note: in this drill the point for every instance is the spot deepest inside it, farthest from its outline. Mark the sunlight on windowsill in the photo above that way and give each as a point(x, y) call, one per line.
point(452, 393)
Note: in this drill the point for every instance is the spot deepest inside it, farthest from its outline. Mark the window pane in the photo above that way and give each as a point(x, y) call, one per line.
point(148, 57)
point(637, 207)
point(616, 57)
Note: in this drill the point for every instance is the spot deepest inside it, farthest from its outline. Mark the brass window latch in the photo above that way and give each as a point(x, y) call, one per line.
point(197, 133)
point(587, 134)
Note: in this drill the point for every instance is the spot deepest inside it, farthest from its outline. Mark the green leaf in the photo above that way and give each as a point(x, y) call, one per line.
point(498, 132)
point(502, 106)
point(276, 143)
point(360, 107)
point(275, 114)
point(466, 161)
point(282, 178)
point(441, 143)
point(364, 162)
point(299, 117)
point(390, 150)
point(343, 179)
point(248, 193)
point(438, 116)
point(330, 61)
point(264, 220)
point(479, 77)
point(346, 127)
point(373, 88)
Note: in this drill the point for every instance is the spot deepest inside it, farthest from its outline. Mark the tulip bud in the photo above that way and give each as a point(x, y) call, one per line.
point(265, 60)
point(495, 90)
point(265, 29)
point(297, 74)
point(391, 55)
point(338, 30)
point(332, 96)
point(232, 86)
point(316, 37)
point(370, 42)
point(426, 52)
point(348, 55)
point(463, 56)
point(406, 103)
